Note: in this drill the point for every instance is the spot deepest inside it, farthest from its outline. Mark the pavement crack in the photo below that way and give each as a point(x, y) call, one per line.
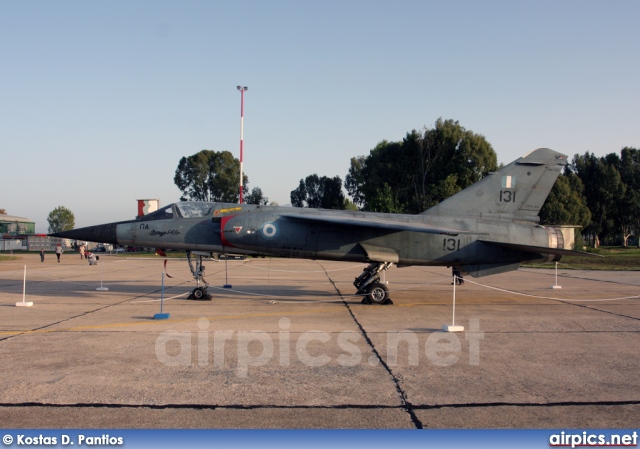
point(406, 404)
point(88, 312)
point(599, 310)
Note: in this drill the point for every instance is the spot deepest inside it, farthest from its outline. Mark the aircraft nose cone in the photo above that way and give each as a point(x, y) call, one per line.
point(105, 233)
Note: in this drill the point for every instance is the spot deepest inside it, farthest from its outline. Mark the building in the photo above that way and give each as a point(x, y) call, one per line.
point(14, 231)
point(18, 234)
point(147, 206)
point(10, 225)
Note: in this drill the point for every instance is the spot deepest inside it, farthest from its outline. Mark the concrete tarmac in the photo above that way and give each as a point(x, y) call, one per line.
point(291, 346)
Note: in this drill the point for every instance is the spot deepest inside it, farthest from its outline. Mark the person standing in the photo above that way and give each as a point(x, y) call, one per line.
point(81, 250)
point(58, 252)
point(42, 255)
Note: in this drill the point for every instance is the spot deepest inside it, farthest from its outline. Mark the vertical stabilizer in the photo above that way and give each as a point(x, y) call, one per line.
point(516, 191)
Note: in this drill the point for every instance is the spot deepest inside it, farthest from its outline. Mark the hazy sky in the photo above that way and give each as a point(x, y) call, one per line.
point(100, 100)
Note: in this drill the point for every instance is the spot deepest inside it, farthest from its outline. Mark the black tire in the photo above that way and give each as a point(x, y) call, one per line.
point(199, 293)
point(377, 293)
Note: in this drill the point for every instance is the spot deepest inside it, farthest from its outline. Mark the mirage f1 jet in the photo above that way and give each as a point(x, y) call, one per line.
point(488, 228)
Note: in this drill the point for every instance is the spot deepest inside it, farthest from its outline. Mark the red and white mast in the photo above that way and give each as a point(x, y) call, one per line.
point(242, 90)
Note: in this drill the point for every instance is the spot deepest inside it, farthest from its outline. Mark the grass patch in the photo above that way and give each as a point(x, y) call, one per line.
point(6, 258)
point(612, 259)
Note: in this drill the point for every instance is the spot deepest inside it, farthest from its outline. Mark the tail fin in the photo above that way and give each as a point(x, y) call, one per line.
point(516, 191)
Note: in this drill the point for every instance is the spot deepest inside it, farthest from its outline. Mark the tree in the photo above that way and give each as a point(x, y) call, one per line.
point(354, 181)
point(385, 200)
point(627, 213)
point(256, 197)
point(315, 192)
point(61, 219)
point(566, 204)
point(3, 212)
point(209, 176)
point(603, 191)
point(422, 170)
point(350, 205)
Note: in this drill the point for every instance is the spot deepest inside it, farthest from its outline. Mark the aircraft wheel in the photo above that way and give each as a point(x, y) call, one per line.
point(199, 293)
point(377, 293)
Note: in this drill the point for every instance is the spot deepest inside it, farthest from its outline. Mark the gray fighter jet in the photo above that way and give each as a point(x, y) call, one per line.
point(488, 228)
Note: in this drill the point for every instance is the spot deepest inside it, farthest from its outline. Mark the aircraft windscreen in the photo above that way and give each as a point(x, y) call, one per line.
point(194, 209)
point(161, 214)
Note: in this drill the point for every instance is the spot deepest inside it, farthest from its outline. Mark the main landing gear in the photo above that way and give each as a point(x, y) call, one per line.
point(200, 292)
point(368, 284)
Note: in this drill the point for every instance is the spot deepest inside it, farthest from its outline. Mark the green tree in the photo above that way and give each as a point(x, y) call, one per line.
point(256, 197)
point(566, 204)
point(319, 192)
point(422, 170)
point(354, 181)
point(349, 205)
point(385, 200)
point(209, 176)
point(61, 219)
point(603, 191)
point(627, 212)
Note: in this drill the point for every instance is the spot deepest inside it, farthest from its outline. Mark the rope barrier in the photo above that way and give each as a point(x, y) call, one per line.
point(267, 296)
point(550, 297)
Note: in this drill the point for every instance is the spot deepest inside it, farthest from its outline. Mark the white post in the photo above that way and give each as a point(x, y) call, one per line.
point(453, 318)
point(101, 288)
point(226, 273)
point(24, 302)
point(453, 327)
point(162, 315)
point(162, 293)
point(556, 286)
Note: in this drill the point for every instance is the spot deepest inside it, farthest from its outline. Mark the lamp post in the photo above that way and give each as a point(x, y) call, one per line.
point(242, 90)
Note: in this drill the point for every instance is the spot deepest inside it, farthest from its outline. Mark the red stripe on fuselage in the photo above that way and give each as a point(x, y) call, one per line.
point(223, 224)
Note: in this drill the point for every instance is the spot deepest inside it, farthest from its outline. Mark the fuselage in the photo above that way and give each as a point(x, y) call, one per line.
point(271, 230)
point(488, 228)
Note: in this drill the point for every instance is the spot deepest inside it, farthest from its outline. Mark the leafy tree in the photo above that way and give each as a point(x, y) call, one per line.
point(256, 197)
point(209, 176)
point(354, 182)
point(627, 212)
point(319, 192)
point(566, 204)
point(603, 190)
point(385, 200)
point(349, 205)
point(61, 219)
point(3, 212)
point(299, 195)
point(422, 170)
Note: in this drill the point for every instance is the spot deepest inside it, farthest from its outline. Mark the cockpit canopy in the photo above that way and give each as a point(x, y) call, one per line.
point(183, 209)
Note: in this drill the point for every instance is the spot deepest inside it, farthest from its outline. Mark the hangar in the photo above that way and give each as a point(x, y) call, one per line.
point(10, 225)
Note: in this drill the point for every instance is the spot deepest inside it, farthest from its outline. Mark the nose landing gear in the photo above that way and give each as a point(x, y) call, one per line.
point(368, 284)
point(200, 292)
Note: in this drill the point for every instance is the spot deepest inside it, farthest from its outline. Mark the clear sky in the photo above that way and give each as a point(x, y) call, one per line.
point(100, 100)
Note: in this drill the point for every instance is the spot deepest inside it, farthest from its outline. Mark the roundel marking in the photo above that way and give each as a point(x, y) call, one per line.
point(269, 230)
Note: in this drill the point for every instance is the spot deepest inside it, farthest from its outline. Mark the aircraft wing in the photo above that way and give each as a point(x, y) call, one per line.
point(540, 249)
point(377, 223)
